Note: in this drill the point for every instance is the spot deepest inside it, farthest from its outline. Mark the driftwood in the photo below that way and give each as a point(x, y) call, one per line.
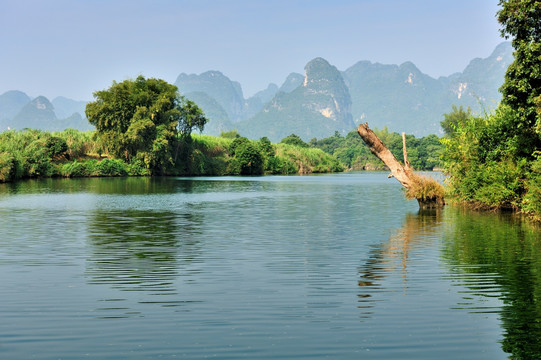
point(428, 192)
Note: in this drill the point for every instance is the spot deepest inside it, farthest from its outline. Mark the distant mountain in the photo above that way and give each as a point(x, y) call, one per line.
point(404, 99)
point(213, 110)
point(293, 81)
point(316, 104)
point(317, 108)
point(20, 112)
point(219, 87)
point(223, 102)
point(399, 97)
point(480, 81)
point(37, 114)
point(64, 107)
point(266, 95)
point(11, 103)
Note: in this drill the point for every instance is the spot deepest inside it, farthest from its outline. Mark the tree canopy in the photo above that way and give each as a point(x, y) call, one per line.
point(141, 120)
point(521, 20)
point(494, 161)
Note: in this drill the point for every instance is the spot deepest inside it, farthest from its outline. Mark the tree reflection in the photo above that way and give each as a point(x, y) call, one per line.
point(509, 250)
point(488, 255)
point(141, 250)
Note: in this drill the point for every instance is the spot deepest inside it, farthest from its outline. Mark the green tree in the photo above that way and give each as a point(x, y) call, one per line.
point(494, 161)
point(141, 119)
point(248, 159)
point(521, 20)
point(294, 140)
point(455, 118)
point(191, 117)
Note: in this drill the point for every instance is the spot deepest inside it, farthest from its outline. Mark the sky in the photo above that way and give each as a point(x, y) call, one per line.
point(72, 48)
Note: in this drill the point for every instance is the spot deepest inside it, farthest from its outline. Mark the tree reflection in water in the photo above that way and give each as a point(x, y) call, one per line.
point(141, 250)
point(489, 255)
point(504, 253)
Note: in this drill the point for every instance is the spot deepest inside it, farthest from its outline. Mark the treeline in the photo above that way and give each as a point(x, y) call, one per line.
point(494, 161)
point(423, 153)
point(71, 153)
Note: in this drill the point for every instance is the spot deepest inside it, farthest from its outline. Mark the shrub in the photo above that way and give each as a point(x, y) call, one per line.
point(294, 140)
point(137, 168)
point(247, 159)
point(532, 198)
point(425, 190)
point(74, 169)
point(8, 167)
point(56, 146)
point(111, 167)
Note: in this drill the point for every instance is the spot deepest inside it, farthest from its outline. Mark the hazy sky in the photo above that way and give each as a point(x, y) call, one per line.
point(74, 47)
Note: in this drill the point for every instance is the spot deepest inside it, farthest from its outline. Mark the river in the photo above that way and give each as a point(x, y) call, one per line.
point(334, 266)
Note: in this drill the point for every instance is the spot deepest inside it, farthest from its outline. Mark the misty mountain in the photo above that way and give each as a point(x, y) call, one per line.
point(37, 114)
point(11, 103)
point(320, 106)
point(18, 111)
point(405, 99)
point(293, 81)
point(399, 97)
point(64, 107)
point(227, 93)
point(316, 104)
point(213, 110)
point(480, 81)
point(266, 95)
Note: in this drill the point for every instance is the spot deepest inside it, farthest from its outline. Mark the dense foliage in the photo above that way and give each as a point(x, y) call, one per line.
point(70, 153)
point(241, 156)
point(423, 153)
point(144, 120)
point(35, 153)
point(494, 161)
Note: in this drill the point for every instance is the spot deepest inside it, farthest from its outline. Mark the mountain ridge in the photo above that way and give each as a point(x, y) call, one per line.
point(400, 97)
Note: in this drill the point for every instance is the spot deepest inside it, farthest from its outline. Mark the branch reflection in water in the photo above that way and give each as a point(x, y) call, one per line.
point(392, 257)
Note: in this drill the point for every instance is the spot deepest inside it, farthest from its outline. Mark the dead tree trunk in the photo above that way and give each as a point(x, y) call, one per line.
point(428, 192)
point(378, 148)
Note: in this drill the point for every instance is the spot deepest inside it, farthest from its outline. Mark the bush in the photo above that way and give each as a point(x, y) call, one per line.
point(247, 159)
point(426, 190)
point(74, 169)
point(111, 167)
point(532, 198)
point(8, 167)
point(37, 161)
point(79, 143)
point(137, 168)
point(56, 147)
point(294, 140)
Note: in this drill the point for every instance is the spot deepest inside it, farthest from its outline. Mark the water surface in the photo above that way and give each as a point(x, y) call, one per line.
point(328, 266)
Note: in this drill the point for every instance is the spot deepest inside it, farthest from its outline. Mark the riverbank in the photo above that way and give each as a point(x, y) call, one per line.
point(70, 153)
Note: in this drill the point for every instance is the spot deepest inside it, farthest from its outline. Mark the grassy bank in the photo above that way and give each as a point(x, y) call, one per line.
point(70, 153)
